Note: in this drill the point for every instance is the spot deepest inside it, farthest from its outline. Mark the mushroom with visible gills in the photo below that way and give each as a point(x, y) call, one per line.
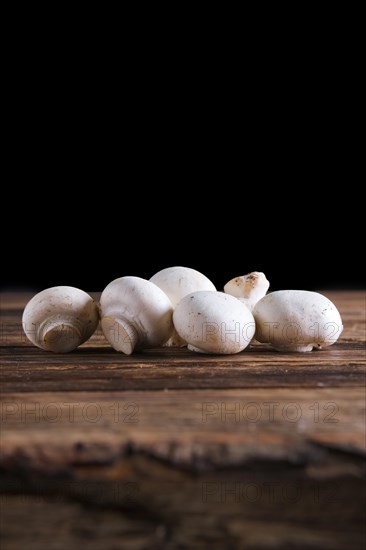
point(135, 314)
point(214, 322)
point(177, 282)
point(297, 320)
point(60, 318)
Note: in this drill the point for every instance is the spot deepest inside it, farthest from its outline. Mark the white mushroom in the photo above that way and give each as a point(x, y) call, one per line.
point(60, 318)
point(214, 322)
point(297, 320)
point(177, 282)
point(135, 314)
point(248, 288)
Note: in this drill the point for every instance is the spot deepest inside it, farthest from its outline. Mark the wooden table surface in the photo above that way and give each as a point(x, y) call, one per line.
point(172, 450)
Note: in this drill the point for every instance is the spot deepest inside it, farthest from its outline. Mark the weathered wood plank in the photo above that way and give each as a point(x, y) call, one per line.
point(95, 365)
point(195, 429)
point(107, 370)
point(142, 503)
point(171, 450)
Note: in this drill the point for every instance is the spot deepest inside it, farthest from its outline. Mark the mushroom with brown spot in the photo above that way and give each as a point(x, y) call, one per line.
point(297, 320)
point(248, 288)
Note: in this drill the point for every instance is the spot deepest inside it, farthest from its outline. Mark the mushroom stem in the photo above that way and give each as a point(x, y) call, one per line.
point(293, 348)
point(207, 352)
point(60, 334)
point(121, 333)
point(135, 314)
point(175, 341)
point(60, 318)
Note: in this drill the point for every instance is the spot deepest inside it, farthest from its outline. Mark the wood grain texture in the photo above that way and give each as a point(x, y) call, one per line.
point(169, 449)
point(96, 366)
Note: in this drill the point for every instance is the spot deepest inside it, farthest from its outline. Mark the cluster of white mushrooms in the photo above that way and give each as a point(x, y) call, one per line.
point(179, 306)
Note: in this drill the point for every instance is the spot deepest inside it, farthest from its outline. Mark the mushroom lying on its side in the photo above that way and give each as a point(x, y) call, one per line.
point(60, 318)
point(297, 320)
point(214, 322)
point(177, 282)
point(135, 314)
point(249, 288)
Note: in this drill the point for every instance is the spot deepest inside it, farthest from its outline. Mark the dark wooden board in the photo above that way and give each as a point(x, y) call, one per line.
point(169, 449)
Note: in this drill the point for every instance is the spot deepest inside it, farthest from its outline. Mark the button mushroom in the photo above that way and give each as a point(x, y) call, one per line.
point(248, 288)
point(135, 314)
point(214, 322)
point(60, 318)
point(177, 282)
point(297, 320)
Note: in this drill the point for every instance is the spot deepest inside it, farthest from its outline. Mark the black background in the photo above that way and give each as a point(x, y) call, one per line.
point(302, 241)
point(104, 180)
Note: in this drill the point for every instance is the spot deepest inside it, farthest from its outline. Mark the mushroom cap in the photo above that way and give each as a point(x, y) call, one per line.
point(248, 288)
point(135, 313)
point(60, 318)
point(179, 281)
point(297, 320)
point(214, 322)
